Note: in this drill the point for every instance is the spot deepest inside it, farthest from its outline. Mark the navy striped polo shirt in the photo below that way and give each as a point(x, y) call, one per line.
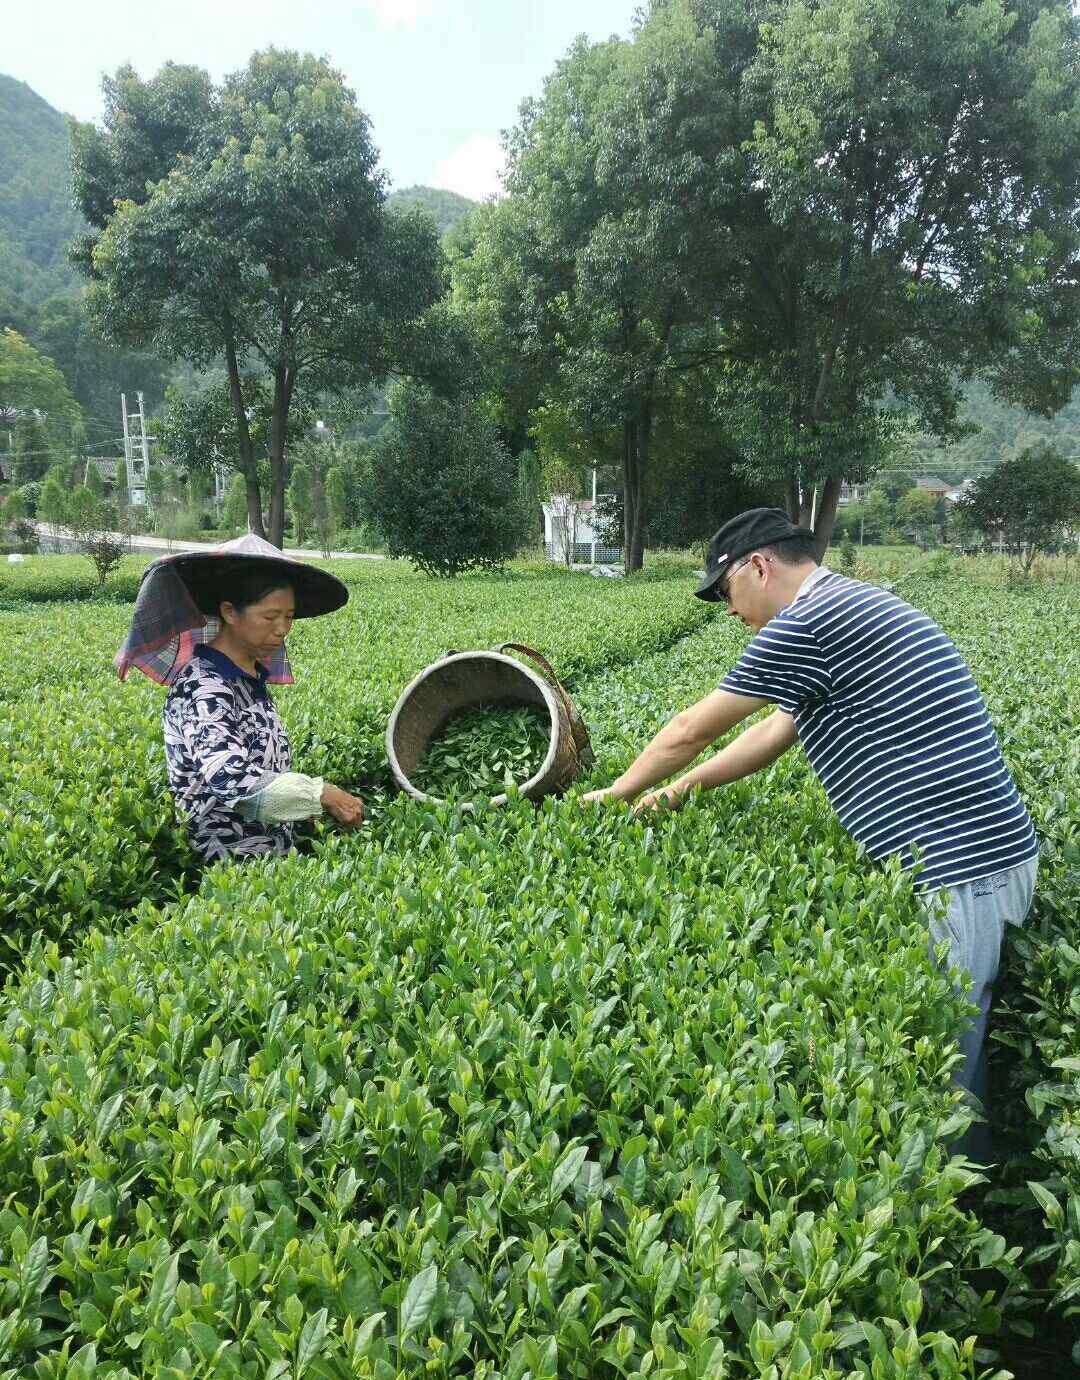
point(894, 726)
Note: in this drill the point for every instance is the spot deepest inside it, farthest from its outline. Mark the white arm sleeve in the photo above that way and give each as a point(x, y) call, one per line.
point(289, 797)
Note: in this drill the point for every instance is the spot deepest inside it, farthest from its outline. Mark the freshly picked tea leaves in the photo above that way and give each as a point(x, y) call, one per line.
point(480, 751)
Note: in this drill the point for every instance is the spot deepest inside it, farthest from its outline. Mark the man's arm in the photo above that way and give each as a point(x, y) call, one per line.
point(685, 737)
point(752, 750)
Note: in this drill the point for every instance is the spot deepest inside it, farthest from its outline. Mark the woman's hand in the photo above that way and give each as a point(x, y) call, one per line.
point(347, 809)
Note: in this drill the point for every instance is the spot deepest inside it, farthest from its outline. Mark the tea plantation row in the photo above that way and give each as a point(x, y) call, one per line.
point(543, 1092)
point(1026, 656)
point(732, 984)
point(86, 824)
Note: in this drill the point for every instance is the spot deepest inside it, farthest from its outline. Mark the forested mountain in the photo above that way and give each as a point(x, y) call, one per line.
point(40, 293)
point(446, 208)
point(36, 215)
point(1003, 433)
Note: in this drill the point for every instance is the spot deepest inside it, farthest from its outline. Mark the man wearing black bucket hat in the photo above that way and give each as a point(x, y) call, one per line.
point(890, 719)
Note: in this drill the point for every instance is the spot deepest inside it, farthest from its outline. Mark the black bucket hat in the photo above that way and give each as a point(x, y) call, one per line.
point(755, 528)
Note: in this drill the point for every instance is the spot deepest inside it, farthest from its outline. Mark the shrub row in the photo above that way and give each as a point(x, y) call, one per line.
point(529, 1092)
point(86, 822)
point(61, 579)
point(1023, 648)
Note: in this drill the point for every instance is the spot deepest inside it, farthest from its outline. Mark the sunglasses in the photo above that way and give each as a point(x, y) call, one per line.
point(723, 589)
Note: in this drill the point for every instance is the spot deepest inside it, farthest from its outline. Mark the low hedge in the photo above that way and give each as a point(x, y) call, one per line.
point(88, 827)
point(63, 579)
point(532, 1092)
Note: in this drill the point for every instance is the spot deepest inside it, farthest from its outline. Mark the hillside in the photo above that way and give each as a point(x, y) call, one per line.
point(36, 216)
point(445, 208)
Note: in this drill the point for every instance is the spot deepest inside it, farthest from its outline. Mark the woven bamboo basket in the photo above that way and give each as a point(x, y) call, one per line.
point(463, 680)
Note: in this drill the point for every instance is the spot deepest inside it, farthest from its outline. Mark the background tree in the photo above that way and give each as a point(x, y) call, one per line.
point(200, 433)
point(591, 279)
point(300, 499)
point(234, 509)
point(917, 511)
point(322, 517)
point(337, 495)
point(14, 509)
point(871, 521)
point(443, 490)
point(259, 236)
point(36, 406)
point(95, 373)
point(94, 481)
point(898, 185)
point(1031, 502)
point(53, 503)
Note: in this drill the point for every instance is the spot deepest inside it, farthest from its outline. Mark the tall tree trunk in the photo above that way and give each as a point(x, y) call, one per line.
point(791, 498)
point(630, 488)
point(826, 515)
point(644, 439)
point(635, 459)
point(279, 424)
point(247, 464)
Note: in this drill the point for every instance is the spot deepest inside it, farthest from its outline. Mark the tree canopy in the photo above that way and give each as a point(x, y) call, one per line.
point(840, 212)
point(36, 406)
point(1031, 502)
point(246, 224)
point(442, 488)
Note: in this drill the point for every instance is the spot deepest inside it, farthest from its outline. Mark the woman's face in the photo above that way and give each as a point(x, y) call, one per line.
point(264, 626)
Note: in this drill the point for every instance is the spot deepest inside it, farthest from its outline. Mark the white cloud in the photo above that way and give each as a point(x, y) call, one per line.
point(404, 12)
point(474, 168)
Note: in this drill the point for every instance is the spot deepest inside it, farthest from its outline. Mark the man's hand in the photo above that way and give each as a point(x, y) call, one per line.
point(346, 809)
point(593, 797)
point(671, 797)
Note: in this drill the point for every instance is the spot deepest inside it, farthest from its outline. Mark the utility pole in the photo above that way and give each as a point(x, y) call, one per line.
point(136, 453)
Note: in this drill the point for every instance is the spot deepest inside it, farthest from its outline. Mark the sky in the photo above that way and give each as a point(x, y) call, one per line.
point(439, 78)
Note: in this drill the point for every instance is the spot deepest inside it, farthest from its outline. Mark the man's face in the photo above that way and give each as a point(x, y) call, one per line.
point(746, 590)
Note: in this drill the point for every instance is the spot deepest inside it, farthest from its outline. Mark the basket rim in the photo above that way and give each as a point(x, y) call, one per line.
point(550, 700)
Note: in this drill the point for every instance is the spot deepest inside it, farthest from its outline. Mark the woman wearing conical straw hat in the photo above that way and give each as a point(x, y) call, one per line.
point(212, 626)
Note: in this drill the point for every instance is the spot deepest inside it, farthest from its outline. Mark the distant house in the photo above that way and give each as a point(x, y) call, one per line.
point(569, 534)
point(931, 484)
point(852, 493)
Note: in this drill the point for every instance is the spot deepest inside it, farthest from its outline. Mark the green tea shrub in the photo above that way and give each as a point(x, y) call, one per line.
point(88, 823)
point(1023, 649)
point(634, 1098)
point(62, 579)
point(87, 827)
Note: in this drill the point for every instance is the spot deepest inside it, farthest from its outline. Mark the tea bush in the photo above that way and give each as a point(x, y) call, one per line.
point(1027, 660)
point(538, 1091)
point(60, 579)
point(86, 823)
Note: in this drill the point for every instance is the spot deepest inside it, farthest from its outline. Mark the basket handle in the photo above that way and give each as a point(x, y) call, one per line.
point(577, 723)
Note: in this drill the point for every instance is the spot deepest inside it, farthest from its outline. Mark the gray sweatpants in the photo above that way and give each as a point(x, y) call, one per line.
point(974, 926)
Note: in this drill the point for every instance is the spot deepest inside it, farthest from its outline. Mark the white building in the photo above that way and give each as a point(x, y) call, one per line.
point(569, 536)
